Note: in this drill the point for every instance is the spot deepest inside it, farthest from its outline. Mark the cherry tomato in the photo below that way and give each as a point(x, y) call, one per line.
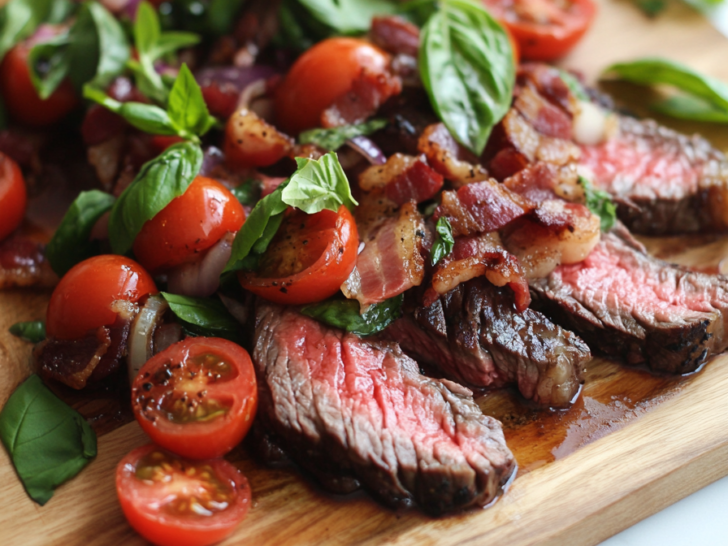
point(82, 301)
point(320, 76)
point(308, 260)
point(544, 29)
point(197, 398)
point(161, 142)
point(171, 501)
point(251, 142)
point(190, 224)
point(22, 100)
point(13, 197)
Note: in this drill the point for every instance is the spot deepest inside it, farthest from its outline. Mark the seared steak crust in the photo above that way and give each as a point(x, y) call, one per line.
point(474, 334)
point(353, 411)
point(627, 304)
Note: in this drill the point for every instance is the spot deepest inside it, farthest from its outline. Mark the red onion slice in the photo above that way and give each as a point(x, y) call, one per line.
point(141, 334)
point(368, 149)
point(202, 278)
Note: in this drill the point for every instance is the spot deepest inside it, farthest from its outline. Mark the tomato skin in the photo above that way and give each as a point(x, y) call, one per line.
point(320, 76)
point(81, 302)
point(140, 502)
point(22, 100)
point(201, 439)
point(13, 196)
point(190, 224)
point(330, 240)
point(544, 41)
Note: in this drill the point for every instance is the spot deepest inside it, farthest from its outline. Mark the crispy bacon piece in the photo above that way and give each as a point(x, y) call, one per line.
point(395, 35)
point(404, 178)
point(534, 145)
point(90, 359)
point(23, 264)
point(548, 82)
point(392, 260)
point(481, 255)
point(368, 92)
point(448, 158)
point(543, 181)
point(481, 207)
point(544, 117)
point(252, 142)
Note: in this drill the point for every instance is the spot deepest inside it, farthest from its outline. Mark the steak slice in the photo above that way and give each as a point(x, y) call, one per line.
point(350, 410)
point(627, 304)
point(474, 334)
point(663, 182)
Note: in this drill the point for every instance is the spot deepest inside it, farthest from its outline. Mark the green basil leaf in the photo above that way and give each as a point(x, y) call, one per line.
point(186, 107)
point(71, 242)
point(444, 241)
point(574, 85)
point(600, 203)
point(20, 18)
point(48, 442)
point(292, 32)
point(418, 11)
point(655, 71)
point(335, 138)
point(147, 30)
point(651, 8)
point(222, 14)
point(145, 117)
point(467, 68)
point(691, 108)
point(204, 316)
point(170, 42)
point(345, 314)
point(247, 193)
point(318, 184)
point(33, 331)
point(348, 16)
point(48, 63)
point(159, 181)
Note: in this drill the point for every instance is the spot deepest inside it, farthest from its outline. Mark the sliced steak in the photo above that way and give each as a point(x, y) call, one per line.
point(664, 182)
point(627, 304)
point(474, 334)
point(353, 411)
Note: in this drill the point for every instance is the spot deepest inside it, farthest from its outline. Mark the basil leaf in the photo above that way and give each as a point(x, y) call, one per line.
point(345, 314)
point(222, 14)
point(112, 46)
point(48, 65)
point(467, 68)
point(204, 316)
point(600, 203)
point(690, 108)
point(651, 8)
point(654, 71)
point(292, 33)
point(71, 242)
point(574, 85)
point(444, 241)
point(20, 18)
point(145, 117)
point(247, 193)
point(159, 181)
point(48, 442)
point(333, 139)
point(318, 184)
point(33, 331)
point(348, 16)
point(187, 108)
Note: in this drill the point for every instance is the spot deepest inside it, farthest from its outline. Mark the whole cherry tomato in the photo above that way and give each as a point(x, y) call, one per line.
point(82, 301)
point(22, 100)
point(172, 501)
point(13, 197)
point(320, 76)
point(197, 398)
point(190, 224)
point(544, 29)
point(308, 260)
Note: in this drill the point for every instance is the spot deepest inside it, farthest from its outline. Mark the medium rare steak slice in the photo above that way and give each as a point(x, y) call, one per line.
point(628, 304)
point(474, 334)
point(663, 182)
point(350, 410)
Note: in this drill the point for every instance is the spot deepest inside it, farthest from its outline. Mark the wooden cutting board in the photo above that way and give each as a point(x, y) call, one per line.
point(632, 445)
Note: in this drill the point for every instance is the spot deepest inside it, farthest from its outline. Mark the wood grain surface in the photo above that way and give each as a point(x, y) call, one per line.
point(632, 445)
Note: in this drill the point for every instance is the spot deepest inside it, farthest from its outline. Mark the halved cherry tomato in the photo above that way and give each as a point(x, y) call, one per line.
point(13, 197)
point(22, 100)
point(172, 501)
point(82, 301)
point(251, 142)
point(320, 76)
point(308, 260)
point(544, 29)
point(197, 398)
point(190, 224)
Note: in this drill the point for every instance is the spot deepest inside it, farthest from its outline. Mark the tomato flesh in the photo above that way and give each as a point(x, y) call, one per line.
point(308, 260)
point(82, 301)
point(13, 196)
point(177, 502)
point(22, 100)
point(320, 76)
point(189, 225)
point(197, 398)
point(544, 29)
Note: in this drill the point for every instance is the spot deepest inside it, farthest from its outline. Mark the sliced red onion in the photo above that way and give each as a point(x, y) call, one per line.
point(238, 77)
point(368, 149)
point(141, 335)
point(238, 310)
point(131, 8)
point(202, 278)
point(166, 335)
point(253, 91)
point(211, 159)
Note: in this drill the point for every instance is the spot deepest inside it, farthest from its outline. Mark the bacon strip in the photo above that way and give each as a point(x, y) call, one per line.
point(23, 264)
point(404, 178)
point(368, 92)
point(448, 158)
